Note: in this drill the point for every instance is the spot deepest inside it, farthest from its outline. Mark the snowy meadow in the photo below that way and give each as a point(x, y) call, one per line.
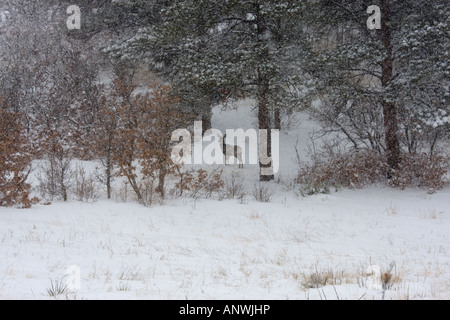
point(319, 247)
point(291, 247)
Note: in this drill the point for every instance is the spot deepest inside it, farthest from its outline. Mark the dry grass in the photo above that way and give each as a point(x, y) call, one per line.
point(131, 274)
point(320, 277)
point(392, 210)
point(123, 286)
point(323, 277)
point(430, 214)
point(57, 288)
point(254, 215)
point(390, 276)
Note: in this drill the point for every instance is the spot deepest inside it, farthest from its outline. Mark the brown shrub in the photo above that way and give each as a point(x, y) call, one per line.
point(15, 161)
point(352, 170)
point(203, 184)
point(422, 170)
point(361, 168)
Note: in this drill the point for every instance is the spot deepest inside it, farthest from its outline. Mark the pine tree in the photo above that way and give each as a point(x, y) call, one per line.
point(221, 50)
point(376, 84)
point(118, 19)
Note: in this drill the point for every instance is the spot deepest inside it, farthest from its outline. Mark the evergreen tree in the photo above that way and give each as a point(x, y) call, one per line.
point(387, 88)
point(121, 19)
point(221, 50)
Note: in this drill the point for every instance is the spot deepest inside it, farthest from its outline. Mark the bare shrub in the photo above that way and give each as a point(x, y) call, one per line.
point(234, 187)
point(55, 178)
point(85, 187)
point(262, 193)
point(121, 194)
point(148, 191)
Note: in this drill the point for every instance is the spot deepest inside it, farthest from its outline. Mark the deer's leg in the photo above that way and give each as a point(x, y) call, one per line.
point(238, 155)
point(241, 163)
point(228, 155)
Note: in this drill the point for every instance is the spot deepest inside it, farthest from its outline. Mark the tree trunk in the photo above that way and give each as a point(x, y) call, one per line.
point(264, 123)
point(135, 186)
point(389, 108)
point(263, 92)
point(161, 181)
point(206, 120)
point(108, 172)
point(277, 117)
point(129, 172)
point(392, 142)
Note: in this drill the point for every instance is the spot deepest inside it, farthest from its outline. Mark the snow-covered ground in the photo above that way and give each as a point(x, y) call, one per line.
point(294, 247)
point(206, 249)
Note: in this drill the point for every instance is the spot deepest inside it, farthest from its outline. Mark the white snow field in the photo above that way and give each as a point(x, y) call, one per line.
point(293, 247)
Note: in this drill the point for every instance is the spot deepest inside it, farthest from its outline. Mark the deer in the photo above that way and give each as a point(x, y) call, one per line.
point(231, 151)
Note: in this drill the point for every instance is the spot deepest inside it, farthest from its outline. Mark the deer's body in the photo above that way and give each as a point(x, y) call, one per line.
point(231, 151)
